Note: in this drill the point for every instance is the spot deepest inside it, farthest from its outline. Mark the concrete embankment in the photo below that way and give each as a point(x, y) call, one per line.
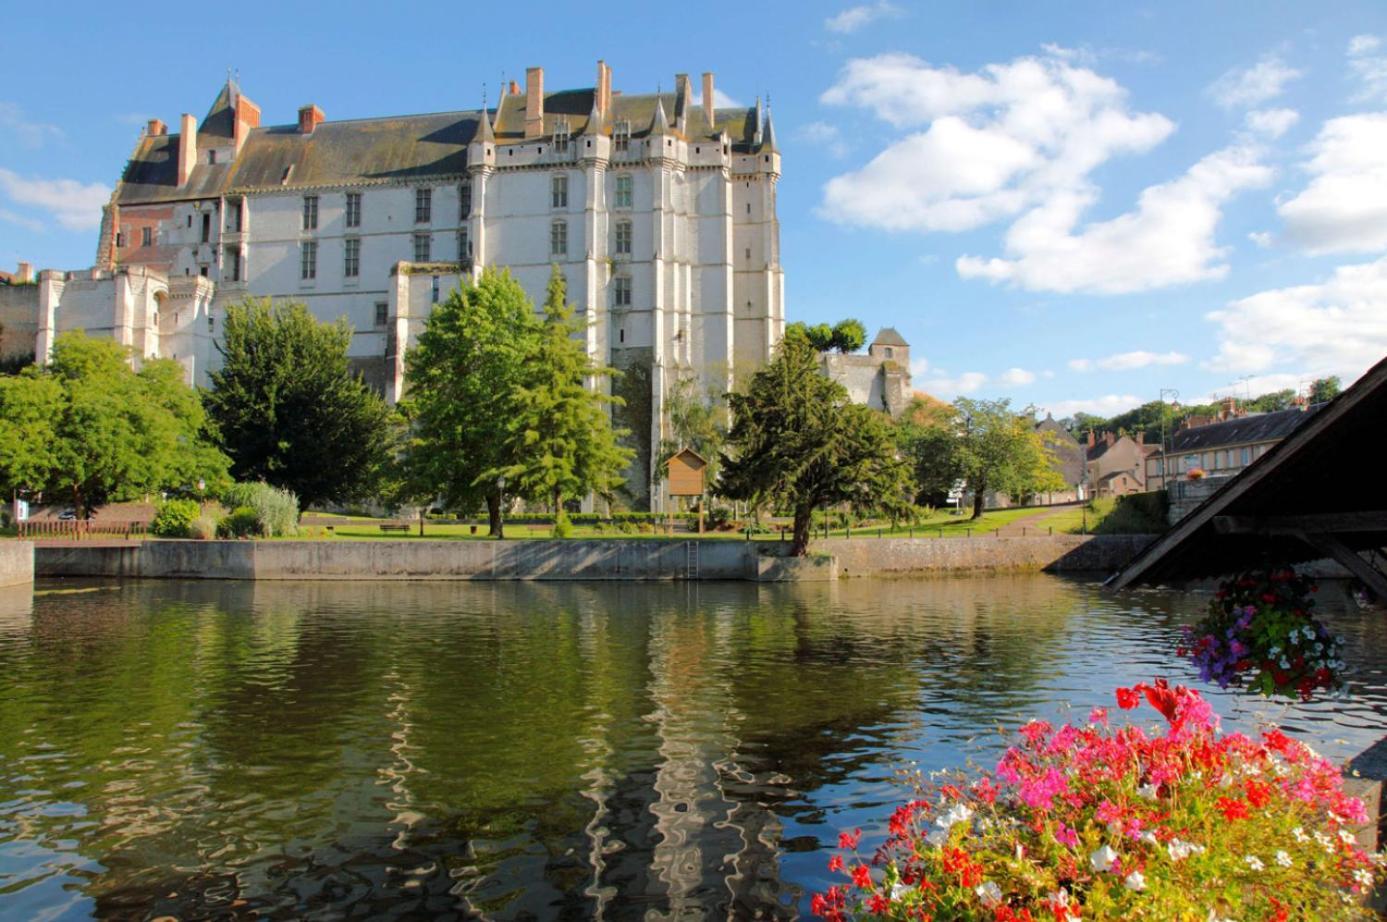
point(551, 560)
point(16, 563)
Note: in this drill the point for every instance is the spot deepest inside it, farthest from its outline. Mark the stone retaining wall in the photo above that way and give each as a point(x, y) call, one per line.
point(16, 563)
point(598, 560)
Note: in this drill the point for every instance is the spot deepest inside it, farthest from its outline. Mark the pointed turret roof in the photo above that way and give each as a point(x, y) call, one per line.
point(768, 136)
point(484, 128)
point(594, 125)
point(659, 124)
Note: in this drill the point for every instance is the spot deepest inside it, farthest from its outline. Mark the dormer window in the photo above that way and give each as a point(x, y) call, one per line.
point(621, 136)
point(212, 158)
point(562, 134)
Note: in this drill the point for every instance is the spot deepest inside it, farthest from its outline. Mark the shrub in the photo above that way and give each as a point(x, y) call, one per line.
point(1134, 514)
point(563, 528)
point(719, 518)
point(203, 528)
point(243, 522)
point(1100, 823)
point(277, 510)
point(174, 518)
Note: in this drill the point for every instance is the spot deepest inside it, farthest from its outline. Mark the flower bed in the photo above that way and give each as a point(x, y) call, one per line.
point(1260, 633)
point(1105, 823)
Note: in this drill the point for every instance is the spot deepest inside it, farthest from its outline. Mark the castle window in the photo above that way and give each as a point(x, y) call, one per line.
point(310, 212)
point(237, 215)
point(120, 239)
point(421, 248)
point(308, 260)
point(212, 157)
point(146, 236)
point(464, 200)
point(558, 238)
point(382, 313)
point(558, 192)
point(621, 291)
point(622, 245)
point(206, 227)
point(423, 206)
point(434, 291)
point(621, 136)
point(562, 133)
point(464, 245)
point(353, 209)
point(233, 259)
point(351, 263)
point(623, 191)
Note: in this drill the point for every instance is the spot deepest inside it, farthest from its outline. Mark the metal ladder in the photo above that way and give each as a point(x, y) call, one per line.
point(691, 560)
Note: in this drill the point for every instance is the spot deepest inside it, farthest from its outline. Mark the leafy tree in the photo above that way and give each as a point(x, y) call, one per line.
point(30, 407)
point(999, 450)
point(928, 438)
point(1323, 389)
point(845, 336)
point(560, 442)
point(289, 410)
point(797, 441)
point(1272, 402)
point(697, 420)
point(464, 378)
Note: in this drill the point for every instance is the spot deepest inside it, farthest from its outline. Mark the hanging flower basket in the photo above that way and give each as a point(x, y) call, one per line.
point(1102, 823)
point(1260, 634)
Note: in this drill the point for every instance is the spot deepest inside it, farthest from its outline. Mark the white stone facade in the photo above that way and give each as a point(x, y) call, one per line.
point(660, 212)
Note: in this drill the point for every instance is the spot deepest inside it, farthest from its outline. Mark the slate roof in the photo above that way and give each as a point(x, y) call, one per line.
point(1257, 427)
point(889, 337)
point(380, 150)
point(1069, 456)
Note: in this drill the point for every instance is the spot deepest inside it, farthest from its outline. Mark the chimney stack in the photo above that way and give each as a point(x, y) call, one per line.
point(1092, 439)
point(310, 117)
point(187, 148)
point(599, 92)
point(708, 106)
point(24, 273)
point(534, 102)
point(683, 100)
point(156, 129)
point(247, 116)
point(606, 90)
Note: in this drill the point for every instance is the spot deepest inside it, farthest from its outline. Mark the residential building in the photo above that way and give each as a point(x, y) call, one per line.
point(1067, 461)
point(659, 209)
point(1221, 446)
point(881, 378)
point(1112, 453)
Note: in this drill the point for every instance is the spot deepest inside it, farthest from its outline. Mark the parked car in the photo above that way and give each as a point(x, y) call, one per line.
point(67, 515)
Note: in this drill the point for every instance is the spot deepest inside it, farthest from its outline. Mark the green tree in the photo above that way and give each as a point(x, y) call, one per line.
point(1000, 451)
point(848, 335)
point(697, 417)
point(1272, 402)
point(796, 440)
point(30, 407)
point(464, 378)
point(289, 410)
point(928, 438)
point(1323, 389)
point(560, 442)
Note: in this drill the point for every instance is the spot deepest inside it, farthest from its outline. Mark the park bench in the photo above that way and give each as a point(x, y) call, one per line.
point(394, 526)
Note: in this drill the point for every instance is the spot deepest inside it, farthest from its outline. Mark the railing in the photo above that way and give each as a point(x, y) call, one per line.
point(77, 529)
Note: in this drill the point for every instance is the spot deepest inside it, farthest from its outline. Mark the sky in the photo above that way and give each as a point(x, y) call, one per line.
point(1073, 205)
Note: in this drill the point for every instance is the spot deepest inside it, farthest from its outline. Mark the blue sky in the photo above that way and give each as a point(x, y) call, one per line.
point(1069, 204)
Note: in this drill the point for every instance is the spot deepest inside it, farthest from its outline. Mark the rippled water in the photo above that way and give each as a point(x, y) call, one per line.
point(530, 751)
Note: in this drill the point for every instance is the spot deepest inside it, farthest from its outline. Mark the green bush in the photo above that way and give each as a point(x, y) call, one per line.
point(563, 528)
point(174, 517)
point(1134, 514)
point(244, 522)
point(203, 528)
point(276, 510)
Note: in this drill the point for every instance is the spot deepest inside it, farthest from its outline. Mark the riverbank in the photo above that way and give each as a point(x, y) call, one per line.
point(16, 563)
point(610, 559)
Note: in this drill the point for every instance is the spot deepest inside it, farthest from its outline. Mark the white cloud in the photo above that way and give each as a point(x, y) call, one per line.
point(1263, 239)
point(855, 17)
point(1344, 208)
point(23, 221)
point(1272, 123)
point(1018, 377)
point(1336, 327)
point(983, 146)
point(1106, 405)
point(919, 367)
point(1128, 361)
point(722, 101)
point(1368, 66)
point(825, 135)
point(29, 133)
point(1167, 240)
point(945, 385)
point(1253, 86)
point(75, 205)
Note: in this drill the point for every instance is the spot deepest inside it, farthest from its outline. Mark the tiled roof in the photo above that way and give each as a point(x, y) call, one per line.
point(1258, 427)
point(363, 151)
point(889, 337)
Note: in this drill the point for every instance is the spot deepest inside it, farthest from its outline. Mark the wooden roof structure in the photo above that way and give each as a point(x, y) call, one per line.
point(1320, 492)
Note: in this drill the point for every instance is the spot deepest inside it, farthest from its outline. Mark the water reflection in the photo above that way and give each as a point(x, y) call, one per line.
point(518, 751)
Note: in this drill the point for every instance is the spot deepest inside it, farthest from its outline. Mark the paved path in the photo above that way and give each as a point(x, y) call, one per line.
point(1036, 524)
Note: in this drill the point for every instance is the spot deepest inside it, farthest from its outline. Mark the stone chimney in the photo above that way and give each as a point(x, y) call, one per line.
point(310, 117)
point(606, 90)
point(512, 89)
point(1092, 439)
point(534, 102)
point(24, 273)
point(708, 106)
point(683, 101)
point(599, 92)
point(156, 129)
point(187, 148)
point(247, 116)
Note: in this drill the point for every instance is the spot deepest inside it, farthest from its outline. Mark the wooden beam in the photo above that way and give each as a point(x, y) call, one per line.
point(1372, 577)
point(1317, 523)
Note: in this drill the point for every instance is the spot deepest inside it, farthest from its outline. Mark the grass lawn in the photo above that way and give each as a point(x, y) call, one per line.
point(369, 530)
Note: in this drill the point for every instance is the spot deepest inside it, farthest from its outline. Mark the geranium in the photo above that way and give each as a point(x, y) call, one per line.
point(1107, 823)
point(1259, 633)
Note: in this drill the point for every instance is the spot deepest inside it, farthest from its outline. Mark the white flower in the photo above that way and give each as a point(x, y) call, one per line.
point(1346, 837)
point(989, 893)
point(1149, 791)
point(1283, 859)
point(1300, 835)
point(1134, 881)
point(1179, 850)
point(1363, 876)
point(1149, 838)
point(1103, 859)
point(958, 813)
point(1254, 862)
point(1325, 842)
point(898, 890)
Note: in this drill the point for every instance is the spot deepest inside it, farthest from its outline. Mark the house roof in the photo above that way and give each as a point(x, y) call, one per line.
point(1256, 427)
point(1068, 455)
point(889, 337)
point(381, 150)
point(1304, 475)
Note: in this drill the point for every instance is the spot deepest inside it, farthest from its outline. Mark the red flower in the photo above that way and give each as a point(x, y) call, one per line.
point(861, 877)
point(1258, 793)
point(1127, 698)
point(878, 904)
point(835, 863)
point(848, 840)
point(1162, 698)
point(1231, 808)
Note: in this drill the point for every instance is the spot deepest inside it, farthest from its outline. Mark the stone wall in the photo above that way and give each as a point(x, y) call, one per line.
point(579, 560)
point(1185, 495)
point(19, 322)
point(16, 563)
